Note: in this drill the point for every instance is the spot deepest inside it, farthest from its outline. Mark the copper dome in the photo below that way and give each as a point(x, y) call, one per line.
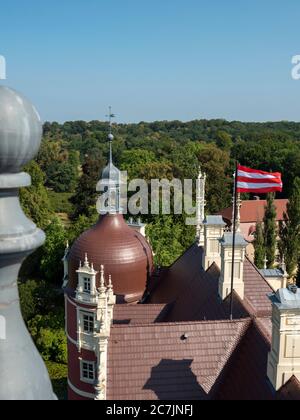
point(125, 254)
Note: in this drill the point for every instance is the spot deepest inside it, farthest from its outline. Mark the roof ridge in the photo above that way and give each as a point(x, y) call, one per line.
point(262, 328)
point(185, 252)
point(230, 349)
point(188, 323)
point(259, 273)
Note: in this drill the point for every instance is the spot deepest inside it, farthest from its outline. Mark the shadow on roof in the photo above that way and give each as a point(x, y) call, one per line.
point(174, 380)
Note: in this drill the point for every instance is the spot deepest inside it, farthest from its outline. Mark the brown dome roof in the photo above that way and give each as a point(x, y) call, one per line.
point(125, 254)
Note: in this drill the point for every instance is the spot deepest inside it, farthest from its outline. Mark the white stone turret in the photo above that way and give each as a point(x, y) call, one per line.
point(86, 291)
point(95, 319)
point(284, 358)
point(213, 232)
point(226, 265)
point(106, 302)
point(200, 206)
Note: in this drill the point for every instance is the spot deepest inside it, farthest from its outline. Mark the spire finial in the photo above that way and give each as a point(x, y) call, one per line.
point(86, 261)
point(110, 285)
point(110, 117)
point(265, 263)
point(200, 206)
point(239, 204)
point(102, 280)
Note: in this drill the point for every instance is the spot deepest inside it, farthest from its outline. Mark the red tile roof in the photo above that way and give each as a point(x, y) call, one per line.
point(173, 281)
point(194, 292)
point(247, 374)
point(290, 391)
point(138, 314)
point(257, 290)
point(171, 361)
point(253, 211)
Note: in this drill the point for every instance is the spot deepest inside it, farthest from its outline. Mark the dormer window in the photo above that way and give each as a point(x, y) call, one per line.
point(87, 285)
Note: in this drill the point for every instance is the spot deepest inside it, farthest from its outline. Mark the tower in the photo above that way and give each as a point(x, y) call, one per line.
point(213, 232)
point(110, 183)
point(226, 265)
point(109, 263)
point(284, 357)
point(201, 203)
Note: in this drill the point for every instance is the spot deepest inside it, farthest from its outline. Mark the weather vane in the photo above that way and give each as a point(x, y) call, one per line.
point(110, 117)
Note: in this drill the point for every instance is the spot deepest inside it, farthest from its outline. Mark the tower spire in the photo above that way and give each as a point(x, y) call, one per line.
point(110, 117)
point(200, 204)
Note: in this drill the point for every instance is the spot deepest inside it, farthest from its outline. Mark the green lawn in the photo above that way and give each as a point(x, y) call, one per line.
point(59, 376)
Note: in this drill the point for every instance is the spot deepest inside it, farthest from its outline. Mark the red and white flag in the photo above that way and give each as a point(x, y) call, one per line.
point(259, 182)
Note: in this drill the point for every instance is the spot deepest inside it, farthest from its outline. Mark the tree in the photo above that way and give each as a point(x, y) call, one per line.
point(34, 199)
point(52, 252)
point(37, 297)
point(270, 230)
point(290, 230)
point(224, 140)
point(134, 160)
point(62, 177)
point(85, 197)
point(216, 163)
point(259, 245)
point(169, 239)
point(49, 336)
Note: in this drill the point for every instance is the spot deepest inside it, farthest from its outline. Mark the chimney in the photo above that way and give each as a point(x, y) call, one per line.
point(284, 357)
point(226, 265)
point(213, 232)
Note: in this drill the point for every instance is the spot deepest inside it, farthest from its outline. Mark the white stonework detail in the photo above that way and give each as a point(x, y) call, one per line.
point(200, 205)
point(138, 226)
point(86, 291)
point(226, 266)
point(213, 232)
point(239, 204)
point(101, 302)
point(284, 358)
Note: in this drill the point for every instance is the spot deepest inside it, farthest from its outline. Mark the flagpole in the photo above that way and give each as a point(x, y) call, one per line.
point(233, 238)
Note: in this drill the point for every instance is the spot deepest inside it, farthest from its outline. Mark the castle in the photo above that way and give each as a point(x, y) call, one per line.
point(137, 332)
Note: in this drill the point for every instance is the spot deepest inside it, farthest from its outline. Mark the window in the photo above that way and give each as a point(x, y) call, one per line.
point(88, 371)
point(87, 285)
point(88, 324)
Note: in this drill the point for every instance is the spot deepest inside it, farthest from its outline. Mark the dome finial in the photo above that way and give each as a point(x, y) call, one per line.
point(110, 117)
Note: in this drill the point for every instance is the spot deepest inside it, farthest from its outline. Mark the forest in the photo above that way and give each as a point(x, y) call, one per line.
point(62, 198)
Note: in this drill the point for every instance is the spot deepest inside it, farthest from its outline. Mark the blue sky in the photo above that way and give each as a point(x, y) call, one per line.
point(154, 59)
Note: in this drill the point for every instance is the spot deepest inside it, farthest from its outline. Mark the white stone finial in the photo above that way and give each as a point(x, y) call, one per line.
point(238, 213)
point(110, 285)
point(200, 206)
point(265, 263)
point(86, 261)
point(102, 288)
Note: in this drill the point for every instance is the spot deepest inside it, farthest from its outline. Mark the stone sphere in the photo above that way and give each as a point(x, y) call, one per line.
point(20, 131)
